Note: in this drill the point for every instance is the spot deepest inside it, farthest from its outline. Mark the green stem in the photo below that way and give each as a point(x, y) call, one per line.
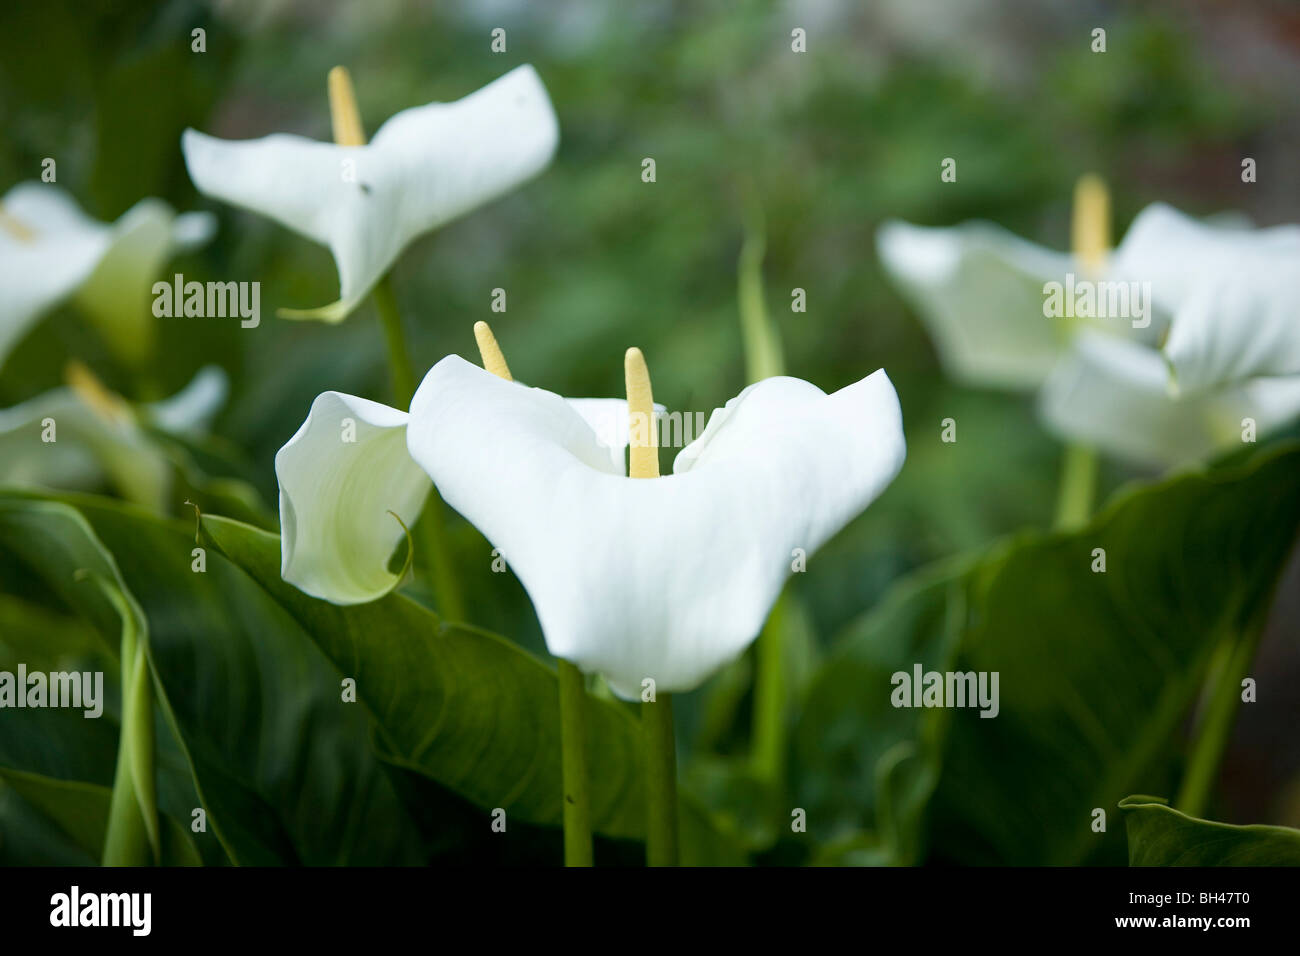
point(429, 530)
point(768, 747)
point(573, 759)
point(1078, 485)
point(764, 357)
point(661, 781)
point(131, 838)
point(431, 542)
point(1231, 662)
point(399, 358)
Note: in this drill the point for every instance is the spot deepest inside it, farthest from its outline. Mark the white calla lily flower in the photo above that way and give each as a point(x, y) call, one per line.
point(1225, 294)
point(424, 167)
point(667, 578)
point(1237, 329)
point(1233, 295)
point(347, 472)
point(340, 475)
point(1178, 255)
point(80, 436)
point(980, 289)
point(1115, 395)
point(51, 251)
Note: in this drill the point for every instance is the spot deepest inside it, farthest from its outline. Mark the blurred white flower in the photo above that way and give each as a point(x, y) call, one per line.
point(1241, 319)
point(81, 436)
point(1114, 394)
point(51, 251)
point(425, 167)
point(1224, 296)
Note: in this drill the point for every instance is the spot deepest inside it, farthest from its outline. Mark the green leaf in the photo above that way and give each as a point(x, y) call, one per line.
point(80, 812)
point(56, 539)
point(1097, 672)
point(46, 639)
point(464, 707)
point(287, 771)
point(282, 766)
point(857, 761)
point(467, 708)
point(1159, 835)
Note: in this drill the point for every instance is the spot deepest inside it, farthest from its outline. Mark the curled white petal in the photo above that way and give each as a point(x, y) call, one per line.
point(192, 230)
point(195, 406)
point(1176, 253)
point(340, 475)
point(92, 446)
point(1237, 328)
point(41, 269)
point(979, 290)
point(664, 578)
point(1115, 395)
point(108, 267)
point(423, 168)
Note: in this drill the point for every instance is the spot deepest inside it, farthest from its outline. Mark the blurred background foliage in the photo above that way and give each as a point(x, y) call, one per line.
point(826, 144)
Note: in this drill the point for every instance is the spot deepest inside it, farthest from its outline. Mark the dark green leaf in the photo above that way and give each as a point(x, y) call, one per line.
point(1159, 835)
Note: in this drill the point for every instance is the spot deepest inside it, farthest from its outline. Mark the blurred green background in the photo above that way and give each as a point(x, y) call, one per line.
point(827, 144)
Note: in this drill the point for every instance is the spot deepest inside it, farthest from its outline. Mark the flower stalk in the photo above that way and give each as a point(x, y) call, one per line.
point(1090, 242)
point(764, 358)
point(656, 713)
point(573, 760)
point(345, 121)
point(661, 781)
point(1230, 663)
point(132, 837)
point(573, 690)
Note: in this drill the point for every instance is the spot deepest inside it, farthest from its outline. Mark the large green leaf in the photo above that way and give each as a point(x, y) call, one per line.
point(1097, 671)
point(56, 548)
point(855, 757)
point(283, 768)
point(1159, 835)
point(467, 708)
point(79, 811)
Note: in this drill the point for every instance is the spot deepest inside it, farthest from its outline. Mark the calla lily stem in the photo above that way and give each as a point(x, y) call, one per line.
point(1231, 662)
point(429, 529)
point(764, 358)
point(1078, 486)
point(770, 693)
point(131, 838)
point(661, 781)
point(573, 689)
point(573, 751)
point(399, 359)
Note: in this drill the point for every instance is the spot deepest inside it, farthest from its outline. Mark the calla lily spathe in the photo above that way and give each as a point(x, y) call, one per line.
point(343, 472)
point(666, 578)
point(1241, 321)
point(99, 438)
point(424, 167)
point(979, 288)
point(1115, 394)
point(51, 251)
point(980, 291)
